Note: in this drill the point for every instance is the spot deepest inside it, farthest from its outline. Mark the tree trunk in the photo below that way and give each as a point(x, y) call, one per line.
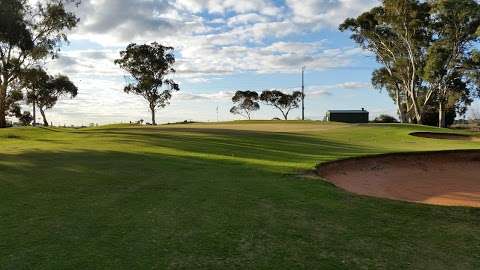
point(3, 96)
point(441, 115)
point(285, 115)
point(42, 112)
point(401, 112)
point(34, 113)
point(417, 111)
point(153, 116)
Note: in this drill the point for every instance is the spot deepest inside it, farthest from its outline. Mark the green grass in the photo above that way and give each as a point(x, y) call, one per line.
point(216, 196)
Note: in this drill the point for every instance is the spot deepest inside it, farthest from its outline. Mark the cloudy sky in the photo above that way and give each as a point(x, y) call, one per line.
point(221, 46)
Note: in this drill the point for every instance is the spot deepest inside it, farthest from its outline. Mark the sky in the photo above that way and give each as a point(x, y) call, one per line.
point(221, 46)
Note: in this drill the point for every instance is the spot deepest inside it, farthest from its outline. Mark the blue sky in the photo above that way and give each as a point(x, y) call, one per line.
point(221, 46)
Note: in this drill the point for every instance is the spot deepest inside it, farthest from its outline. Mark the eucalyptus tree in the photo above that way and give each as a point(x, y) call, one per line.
point(245, 102)
point(149, 67)
point(283, 102)
point(397, 33)
point(44, 90)
point(450, 57)
point(29, 31)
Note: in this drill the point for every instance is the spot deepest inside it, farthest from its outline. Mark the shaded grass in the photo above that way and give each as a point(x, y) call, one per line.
point(198, 197)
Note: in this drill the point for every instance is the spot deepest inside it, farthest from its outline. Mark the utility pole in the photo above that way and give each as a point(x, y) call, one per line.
point(303, 93)
point(217, 113)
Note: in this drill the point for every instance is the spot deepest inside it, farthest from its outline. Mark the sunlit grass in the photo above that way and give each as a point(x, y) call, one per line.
point(216, 195)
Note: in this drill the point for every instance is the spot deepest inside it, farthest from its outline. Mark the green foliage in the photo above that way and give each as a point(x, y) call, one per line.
point(427, 52)
point(13, 28)
point(431, 117)
point(29, 32)
point(384, 118)
point(283, 102)
point(149, 67)
point(44, 90)
point(26, 118)
point(246, 103)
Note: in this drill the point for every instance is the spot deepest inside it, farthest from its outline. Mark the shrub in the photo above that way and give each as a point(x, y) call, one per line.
point(384, 118)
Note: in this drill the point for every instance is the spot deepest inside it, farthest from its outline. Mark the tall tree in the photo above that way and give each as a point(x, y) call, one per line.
point(45, 90)
point(283, 102)
point(396, 32)
point(29, 32)
point(149, 67)
point(245, 102)
point(454, 26)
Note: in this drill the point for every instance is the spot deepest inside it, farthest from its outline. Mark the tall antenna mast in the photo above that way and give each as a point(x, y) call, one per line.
point(303, 93)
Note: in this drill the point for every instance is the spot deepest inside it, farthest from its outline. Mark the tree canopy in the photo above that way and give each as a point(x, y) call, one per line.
point(44, 90)
point(245, 102)
point(427, 51)
point(149, 67)
point(29, 32)
point(282, 101)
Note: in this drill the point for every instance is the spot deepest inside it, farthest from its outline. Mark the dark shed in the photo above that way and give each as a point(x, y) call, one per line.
point(348, 116)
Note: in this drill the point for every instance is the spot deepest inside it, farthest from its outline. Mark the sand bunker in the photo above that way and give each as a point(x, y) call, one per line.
point(445, 136)
point(441, 178)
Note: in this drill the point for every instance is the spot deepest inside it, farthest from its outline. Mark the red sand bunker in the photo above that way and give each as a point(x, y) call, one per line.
point(441, 178)
point(445, 136)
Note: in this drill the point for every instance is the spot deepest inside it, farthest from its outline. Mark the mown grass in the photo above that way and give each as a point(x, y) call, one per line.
point(216, 196)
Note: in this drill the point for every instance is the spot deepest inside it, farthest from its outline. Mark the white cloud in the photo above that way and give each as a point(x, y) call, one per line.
point(221, 95)
point(222, 6)
point(258, 36)
point(327, 13)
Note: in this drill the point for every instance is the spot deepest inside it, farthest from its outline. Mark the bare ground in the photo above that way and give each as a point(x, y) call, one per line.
point(442, 178)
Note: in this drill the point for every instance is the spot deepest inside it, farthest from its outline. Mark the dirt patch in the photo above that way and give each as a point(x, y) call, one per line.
point(445, 136)
point(449, 178)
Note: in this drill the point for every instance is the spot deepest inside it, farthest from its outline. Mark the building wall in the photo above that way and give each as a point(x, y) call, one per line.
point(348, 117)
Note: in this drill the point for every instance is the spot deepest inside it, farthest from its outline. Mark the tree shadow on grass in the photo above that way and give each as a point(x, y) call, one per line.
point(268, 146)
point(108, 209)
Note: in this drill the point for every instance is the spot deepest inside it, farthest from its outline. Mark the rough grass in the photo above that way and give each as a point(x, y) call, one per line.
point(216, 196)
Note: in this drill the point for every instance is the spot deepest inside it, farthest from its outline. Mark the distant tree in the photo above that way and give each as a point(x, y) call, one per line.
point(29, 31)
point(283, 102)
point(149, 67)
point(44, 90)
point(245, 103)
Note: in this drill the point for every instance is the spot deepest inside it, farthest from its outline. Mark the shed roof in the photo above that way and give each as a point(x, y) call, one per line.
point(347, 111)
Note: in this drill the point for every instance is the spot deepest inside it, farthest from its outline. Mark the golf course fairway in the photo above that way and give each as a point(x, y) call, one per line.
point(233, 195)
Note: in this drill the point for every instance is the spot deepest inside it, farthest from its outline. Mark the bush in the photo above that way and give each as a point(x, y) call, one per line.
point(384, 118)
point(26, 118)
point(430, 118)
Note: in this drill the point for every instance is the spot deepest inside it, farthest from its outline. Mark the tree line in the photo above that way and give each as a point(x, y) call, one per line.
point(428, 52)
point(31, 33)
point(247, 102)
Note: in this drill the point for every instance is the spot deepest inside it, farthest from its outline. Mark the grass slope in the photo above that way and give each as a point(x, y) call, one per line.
point(216, 196)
